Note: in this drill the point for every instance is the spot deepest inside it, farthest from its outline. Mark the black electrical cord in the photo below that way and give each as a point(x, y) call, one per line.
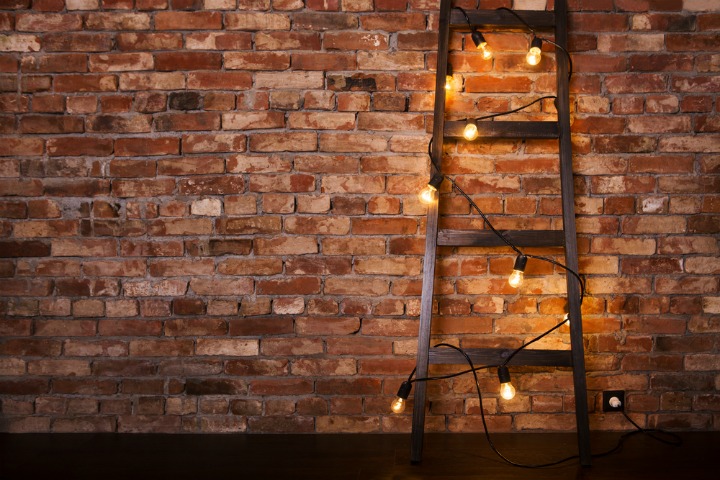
point(515, 248)
point(675, 439)
point(580, 280)
point(467, 18)
point(463, 372)
point(485, 427)
point(525, 345)
point(484, 217)
point(499, 234)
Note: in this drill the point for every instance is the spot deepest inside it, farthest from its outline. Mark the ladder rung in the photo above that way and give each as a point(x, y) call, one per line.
point(496, 356)
point(499, 18)
point(529, 129)
point(486, 238)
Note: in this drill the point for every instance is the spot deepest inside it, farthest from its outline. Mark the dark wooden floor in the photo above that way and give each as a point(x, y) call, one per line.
point(339, 457)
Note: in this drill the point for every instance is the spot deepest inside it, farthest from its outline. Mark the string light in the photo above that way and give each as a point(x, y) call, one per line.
point(534, 54)
point(481, 44)
point(448, 77)
point(398, 405)
point(478, 39)
point(507, 391)
point(470, 132)
point(516, 277)
point(428, 194)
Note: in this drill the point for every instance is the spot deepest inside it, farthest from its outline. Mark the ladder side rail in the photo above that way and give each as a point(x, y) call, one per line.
point(426, 301)
point(571, 251)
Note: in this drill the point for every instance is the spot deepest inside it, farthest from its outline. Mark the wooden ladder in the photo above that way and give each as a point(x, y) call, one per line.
point(453, 19)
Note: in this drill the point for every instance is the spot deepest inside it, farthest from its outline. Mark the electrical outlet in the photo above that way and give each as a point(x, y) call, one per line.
point(613, 401)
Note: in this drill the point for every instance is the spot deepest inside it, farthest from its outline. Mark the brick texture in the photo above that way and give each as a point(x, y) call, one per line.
point(208, 219)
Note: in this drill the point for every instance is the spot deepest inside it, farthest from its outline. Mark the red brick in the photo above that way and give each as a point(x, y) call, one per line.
point(181, 267)
point(130, 147)
point(51, 124)
point(174, 61)
point(219, 81)
point(51, 328)
point(188, 21)
point(149, 41)
point(219, 41)
point(227, 347)
point(190, 166)
point(211, 185)
point(256, 60)
point(250, 266)
point(249, 225)
point(57, 63)
point(86, 83)
point(28, 22)
point(31, 347)
point(129, 327)
point(24, 387)
point(187, 121)
point(219, 286)
point(79, 146)
point(354, 40)
point(161, 348)
point(118, 123)
point(143, 188)
point(289, 286)
point(117, 21)
point(206, 143)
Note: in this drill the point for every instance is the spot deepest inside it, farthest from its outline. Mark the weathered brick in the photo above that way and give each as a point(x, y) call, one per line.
point(253, 120)
point(289, 142)
point(219, 81)
point(188, 20)
point(219, 41)
point(173, 61)
point(149, 41)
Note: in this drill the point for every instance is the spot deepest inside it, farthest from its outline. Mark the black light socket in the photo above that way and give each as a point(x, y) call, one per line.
point(436, 180)
point(503, 374)
point(520, 263)
point(477, 38)
point(536, 42)
point(404, 390)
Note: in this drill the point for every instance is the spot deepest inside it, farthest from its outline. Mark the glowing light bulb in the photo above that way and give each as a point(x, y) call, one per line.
point(481, 44)
point(507, 391)
point(471, 131)
point(567, 319)
point(427, 195)
point(534, 54)
point(516, 278)
point(517, 275)
point(487, 53)
point(398, 405)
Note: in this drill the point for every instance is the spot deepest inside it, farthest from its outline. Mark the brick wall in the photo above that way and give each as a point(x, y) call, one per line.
point(208, 219)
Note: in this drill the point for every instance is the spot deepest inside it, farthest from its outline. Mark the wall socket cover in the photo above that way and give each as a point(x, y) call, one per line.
point(607, 395)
